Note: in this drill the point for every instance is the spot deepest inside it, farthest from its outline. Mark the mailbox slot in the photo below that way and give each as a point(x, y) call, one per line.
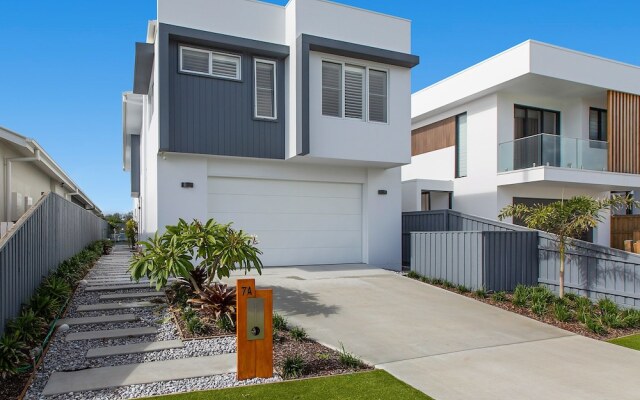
point(255, 318)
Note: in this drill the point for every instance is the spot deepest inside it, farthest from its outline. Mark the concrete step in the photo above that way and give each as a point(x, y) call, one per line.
point(118, 282)
point(145, 347)
point(111, 333)
point(139, 295)
point(115, 306)
point(103, 319)
point(135, 374)
point(118, 287)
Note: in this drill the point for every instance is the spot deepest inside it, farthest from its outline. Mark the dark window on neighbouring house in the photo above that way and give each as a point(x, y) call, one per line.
point(598, 124)
point(425, 201)
point(461, 145)
point(529, 121)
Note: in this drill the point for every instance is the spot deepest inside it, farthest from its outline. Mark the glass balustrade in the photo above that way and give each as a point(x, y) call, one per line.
point(553, 151)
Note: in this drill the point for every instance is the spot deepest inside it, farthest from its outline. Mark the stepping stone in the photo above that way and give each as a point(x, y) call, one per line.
point(118, 287)
point(103, 319)
point(111, 334)
point(115, 306)
point(135, 374)
point(131, 295)
point(145, 347)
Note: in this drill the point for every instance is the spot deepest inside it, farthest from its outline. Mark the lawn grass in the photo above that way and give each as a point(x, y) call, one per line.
point(632, 342)
point(374, 385)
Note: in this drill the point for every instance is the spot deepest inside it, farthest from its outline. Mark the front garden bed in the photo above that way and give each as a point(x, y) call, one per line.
point(602, 321)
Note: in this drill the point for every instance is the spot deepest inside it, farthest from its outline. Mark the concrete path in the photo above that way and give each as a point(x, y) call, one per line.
point(144, 347)
point(133, 374)
point(449, 346)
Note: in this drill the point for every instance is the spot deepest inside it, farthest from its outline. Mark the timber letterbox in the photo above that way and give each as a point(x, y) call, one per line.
point(254, 314)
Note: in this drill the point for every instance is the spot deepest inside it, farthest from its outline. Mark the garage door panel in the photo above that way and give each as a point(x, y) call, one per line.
point(296, 222)
point(283, 204)
point(283, 188)
point(312, 222)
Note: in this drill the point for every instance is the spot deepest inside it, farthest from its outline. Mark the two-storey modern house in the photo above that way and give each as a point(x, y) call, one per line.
point(533, 124)
point(291, 122)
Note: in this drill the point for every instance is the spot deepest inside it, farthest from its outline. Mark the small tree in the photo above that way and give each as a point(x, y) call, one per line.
point(131, 230)
point(217, 248)
point(567, 219)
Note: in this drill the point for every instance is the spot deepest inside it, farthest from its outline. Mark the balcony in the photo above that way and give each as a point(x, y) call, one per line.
point(546, 150)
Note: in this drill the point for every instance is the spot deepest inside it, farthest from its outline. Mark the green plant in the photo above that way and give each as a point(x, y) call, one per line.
point(437, 281)
point(448, 285)
point(538, 306)
point(44, 305)
point(542, 294)
point(413, 275)
point(567, 219)
point(57, 288)
point(584, 304)
point(572, 297)
point(480, 293)
point(28, 327)
point(217, 248)
point(188, 313)
point(293, 367)
point(323, 356)
point(195, 325)
point(595, 325)
point(630, 318)
point(13, 354)
point(131, 231)
point(196, 280)
point(178, 294)
point(425, 279)
point(218, 299)
point(225, 323)
point(520, 296)
point(279, 322)
point(462, 289)
point(500, 296)
point(298, 333)
point(561, 311)
point(347, 359)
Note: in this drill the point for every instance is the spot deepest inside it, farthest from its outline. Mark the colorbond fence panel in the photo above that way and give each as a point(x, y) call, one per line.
point(53, 230)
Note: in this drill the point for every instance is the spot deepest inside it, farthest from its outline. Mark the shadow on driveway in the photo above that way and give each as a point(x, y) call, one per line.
point(294, 301)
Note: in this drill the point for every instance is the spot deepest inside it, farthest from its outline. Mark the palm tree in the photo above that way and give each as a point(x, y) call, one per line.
point(567, 219)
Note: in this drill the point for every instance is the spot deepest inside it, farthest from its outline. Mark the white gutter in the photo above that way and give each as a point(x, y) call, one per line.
point(7, 163)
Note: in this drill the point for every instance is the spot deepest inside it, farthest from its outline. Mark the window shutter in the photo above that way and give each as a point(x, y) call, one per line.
point(265, 89)
point(461, 146)
point(377, 96)
point(331, 89)
point(195, 61)
point(225, 66)
point(353, 92)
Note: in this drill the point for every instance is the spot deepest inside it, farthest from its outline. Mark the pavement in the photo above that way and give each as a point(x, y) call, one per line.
point(447, 345)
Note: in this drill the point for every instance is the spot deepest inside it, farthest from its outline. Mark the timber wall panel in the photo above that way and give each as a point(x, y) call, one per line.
point(436, 136)
point(623, 129)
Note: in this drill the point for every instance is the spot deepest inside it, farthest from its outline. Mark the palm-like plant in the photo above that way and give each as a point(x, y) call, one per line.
point(217, 249)
point(218, 299)
point(567, 219)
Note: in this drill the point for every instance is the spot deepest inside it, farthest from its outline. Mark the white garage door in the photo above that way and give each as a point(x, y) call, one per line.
point(297, 223)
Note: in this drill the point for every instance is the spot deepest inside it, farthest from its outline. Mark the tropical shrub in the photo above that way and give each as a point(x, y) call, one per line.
point(218, 299)
point(595, 325)
point(293, 367)
point(57, 288)
point(44, 305)
point(28, 327)
point(217, 248)
point(500, 296)
point(279, 322)
point(462, 289)
point(413, 275)
point(347, 359)
point(13, 354)
point(225, 323)
point(298, 333)
point(561, 311)
point(520, 296)
point(131, 231)
point(195, 325)
point(480, 293)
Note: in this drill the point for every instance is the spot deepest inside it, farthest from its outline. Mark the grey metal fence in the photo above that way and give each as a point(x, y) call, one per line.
point(53, 230)
point(490, 260)
point(591, 270)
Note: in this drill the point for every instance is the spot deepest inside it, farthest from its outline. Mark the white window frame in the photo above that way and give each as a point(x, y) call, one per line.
point(255, 89)
point(238, 57)
point(365, 117)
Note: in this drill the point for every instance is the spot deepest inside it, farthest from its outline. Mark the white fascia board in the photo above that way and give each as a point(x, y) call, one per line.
point(602, 180)
point(15, 138)
point(434, 185)
point(131, 124)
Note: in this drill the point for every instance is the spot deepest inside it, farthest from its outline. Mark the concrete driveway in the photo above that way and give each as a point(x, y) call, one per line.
point(447, 345)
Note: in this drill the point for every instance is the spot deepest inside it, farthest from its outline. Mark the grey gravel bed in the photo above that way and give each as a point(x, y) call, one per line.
point(70, 356)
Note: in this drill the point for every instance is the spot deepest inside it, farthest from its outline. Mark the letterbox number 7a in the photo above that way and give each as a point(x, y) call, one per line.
point(254, 330)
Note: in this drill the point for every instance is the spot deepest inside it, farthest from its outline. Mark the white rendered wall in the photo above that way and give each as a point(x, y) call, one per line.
point(354, 139)
point(439, 164)
point(243, 18)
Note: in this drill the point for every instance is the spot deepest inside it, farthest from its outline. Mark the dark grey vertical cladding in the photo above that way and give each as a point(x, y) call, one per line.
point(135, 165)
point(216, 116)
point(510, 258)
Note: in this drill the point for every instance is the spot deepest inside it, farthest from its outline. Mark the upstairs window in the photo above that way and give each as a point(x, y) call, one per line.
point(265, 89)
point(352, 91)
point(377, 96)
point(331, 89)
point(461, 145)
point(598, 124)
point(211, 63)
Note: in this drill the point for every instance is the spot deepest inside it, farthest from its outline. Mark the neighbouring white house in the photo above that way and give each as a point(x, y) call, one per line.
point(289, 121)
point(533, 124)
point(27, 173)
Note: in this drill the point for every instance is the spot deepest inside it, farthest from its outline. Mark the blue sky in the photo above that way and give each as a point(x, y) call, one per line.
point(64, 64)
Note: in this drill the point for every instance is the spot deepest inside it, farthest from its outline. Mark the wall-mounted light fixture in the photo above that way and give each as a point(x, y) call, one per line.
point(187, 185)
point(382, 192)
